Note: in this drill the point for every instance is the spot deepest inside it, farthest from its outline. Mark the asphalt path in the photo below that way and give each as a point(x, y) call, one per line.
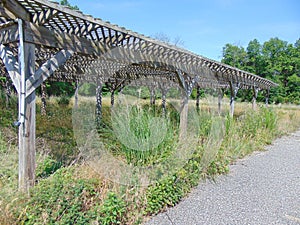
point(263, 188)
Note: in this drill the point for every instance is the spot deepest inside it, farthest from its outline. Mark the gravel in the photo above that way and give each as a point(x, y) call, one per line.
point(263, 188)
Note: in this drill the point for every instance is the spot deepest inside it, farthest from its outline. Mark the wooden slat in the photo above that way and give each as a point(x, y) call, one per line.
point(44, 16)
point(9, 34)
point(15, 8)
point(55, 39)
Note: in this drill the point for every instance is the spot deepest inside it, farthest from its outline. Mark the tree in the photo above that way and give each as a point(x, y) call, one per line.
point(66, 3)
point(177, 41)
point(234, 56)
point(275, 59)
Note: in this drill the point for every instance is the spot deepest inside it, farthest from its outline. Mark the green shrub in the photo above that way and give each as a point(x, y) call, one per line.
point(63, 100)
point(164, 193)
point(47, 167)
point(112, 211)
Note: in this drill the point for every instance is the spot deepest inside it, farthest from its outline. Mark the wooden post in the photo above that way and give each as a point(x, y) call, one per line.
point(233, 91)
point(163, 102)
point(152, 96)
point(220, 97)
point(76, 94)
point(183, 118)
point(98, 104)
point(267, 97)
point(254, 97)
point(198, 98)
point(43, 99)
point(112, 98)
point(27, 111)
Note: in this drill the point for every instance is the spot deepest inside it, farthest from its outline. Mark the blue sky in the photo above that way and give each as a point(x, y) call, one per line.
point(204, 26)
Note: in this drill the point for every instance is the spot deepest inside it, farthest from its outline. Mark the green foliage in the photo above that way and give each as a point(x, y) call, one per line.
point(47, 167)
point(59, 200)
point(63, 100)
point(163, 194)
point(66, 3)
point(112, 211)
point(63, 199)
point(55, 88)
point(276, 60)
point(61, 196)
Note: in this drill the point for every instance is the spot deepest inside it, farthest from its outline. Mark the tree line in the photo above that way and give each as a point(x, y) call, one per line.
point(276, 60)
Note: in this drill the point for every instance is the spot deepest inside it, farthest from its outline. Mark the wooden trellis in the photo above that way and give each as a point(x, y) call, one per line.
point(42, 40)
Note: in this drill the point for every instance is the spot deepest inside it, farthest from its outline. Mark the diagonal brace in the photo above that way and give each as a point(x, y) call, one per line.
point(11, 65)
point(46, 70)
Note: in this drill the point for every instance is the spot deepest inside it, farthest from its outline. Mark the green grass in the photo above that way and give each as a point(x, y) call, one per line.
point(69, 191)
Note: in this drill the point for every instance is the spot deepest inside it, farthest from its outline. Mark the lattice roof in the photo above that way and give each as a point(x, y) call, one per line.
point(108, 52)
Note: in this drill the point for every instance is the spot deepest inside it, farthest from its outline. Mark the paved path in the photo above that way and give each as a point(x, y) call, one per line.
point(263, 188)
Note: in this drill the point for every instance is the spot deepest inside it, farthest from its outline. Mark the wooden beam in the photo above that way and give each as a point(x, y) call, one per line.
point(56, 39)
point(43, 17)
point(27, 121)
point(46, 70)
point(9, 34)
point(6, 13)
point(11, 64)
point(17, 9)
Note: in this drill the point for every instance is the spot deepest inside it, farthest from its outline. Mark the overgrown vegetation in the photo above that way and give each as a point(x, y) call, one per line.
point(69, 191)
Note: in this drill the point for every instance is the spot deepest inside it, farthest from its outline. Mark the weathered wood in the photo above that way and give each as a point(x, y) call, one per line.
point(46, 70)
point(233, 91)
point(98, 104)
point(9, 34)
point(198, 98)
point(43, 99)
point(267, 97)
point(183, 124)
point(11, 64)
point(27, 127)
point(254, 97)
point(152, 96)
point(220, 97)
point(44, 16)
point(57, 39)
point(163, 102)
point(76, 94)
point(6, 13)
point(15, 8)
point(112, 98)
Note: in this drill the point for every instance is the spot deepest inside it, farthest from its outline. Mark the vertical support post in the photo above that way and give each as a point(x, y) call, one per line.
point(98, 104)
point(254, 97)
point(233, 91)
point(220, 97)
point(183, 117)
point(198, 98)
point(43, 99)
point(267, 97)
point(163, 102)
point(27, 111)
point(152, 96)
point(112, 98)
point(76, 94)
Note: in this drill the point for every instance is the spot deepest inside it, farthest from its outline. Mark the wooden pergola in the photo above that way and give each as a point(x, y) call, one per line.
point(40, 39)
